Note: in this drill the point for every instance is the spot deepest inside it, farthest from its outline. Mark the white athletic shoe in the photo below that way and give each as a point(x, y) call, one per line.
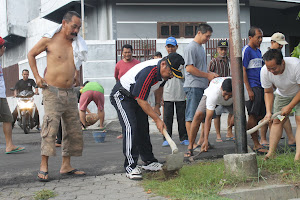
point(155, 166)
point(135, 174)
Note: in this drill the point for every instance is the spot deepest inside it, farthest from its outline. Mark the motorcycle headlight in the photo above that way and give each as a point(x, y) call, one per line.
point(25, 104)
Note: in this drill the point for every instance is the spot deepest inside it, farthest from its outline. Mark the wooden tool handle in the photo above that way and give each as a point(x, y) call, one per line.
point(170, 141)
point(255, 128)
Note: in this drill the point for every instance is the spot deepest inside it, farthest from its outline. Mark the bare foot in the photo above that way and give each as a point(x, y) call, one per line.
point(266, 158)
point(196, 146)
point(297, 158)
point(57, 145)
point(269, 156)
point(200, 142)
point(291, 142)
point(219, 140)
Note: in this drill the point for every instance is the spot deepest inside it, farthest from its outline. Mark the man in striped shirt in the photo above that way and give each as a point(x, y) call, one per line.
point(129, 97)
point(221, 66)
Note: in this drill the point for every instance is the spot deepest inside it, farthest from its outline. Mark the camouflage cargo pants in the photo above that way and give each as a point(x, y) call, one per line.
point(61, 104)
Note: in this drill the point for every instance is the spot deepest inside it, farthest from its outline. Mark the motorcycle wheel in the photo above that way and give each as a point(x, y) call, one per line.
point(25, 125)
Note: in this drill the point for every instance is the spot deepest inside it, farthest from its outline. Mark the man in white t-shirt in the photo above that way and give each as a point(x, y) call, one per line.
point(284, 74)
point(219, 93)
point(5, 114)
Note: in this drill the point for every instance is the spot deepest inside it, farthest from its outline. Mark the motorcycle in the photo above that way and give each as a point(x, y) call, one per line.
point(26, 110)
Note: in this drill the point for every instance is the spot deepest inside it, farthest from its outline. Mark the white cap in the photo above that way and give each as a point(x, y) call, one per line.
point(279, 38)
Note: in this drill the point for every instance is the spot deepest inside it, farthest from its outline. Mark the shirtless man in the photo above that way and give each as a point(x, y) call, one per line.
point(60, 100)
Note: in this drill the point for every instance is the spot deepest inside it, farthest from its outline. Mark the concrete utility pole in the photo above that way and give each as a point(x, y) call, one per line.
point(235, 44)
point(82, 18)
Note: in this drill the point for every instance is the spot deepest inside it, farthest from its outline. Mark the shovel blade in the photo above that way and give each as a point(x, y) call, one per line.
point(174, 161)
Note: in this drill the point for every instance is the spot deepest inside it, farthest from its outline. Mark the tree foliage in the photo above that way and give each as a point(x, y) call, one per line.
point(296, 52)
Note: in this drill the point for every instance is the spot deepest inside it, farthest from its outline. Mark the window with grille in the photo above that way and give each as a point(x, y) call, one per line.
point(177, 29)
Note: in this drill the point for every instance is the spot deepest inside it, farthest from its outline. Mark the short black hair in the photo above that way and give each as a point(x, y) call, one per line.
point(273, 54)
point(204, 28)
point(227, 85)
point(252, 31)
point(85, 83)
point(126, 46)
point(25, 70)
point(158, 54)
point(68, 16)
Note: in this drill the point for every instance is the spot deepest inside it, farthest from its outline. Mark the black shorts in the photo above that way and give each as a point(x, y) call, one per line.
point(257, 107)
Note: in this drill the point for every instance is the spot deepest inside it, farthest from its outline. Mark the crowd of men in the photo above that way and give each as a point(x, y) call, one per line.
point(199, 92)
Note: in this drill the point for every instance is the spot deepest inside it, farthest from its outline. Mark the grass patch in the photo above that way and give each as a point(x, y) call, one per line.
point(282, 167)
point(44, 195)
point(199, 181)
point(204, 180)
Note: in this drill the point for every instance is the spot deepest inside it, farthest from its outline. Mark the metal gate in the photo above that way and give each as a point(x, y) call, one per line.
point(212, 44)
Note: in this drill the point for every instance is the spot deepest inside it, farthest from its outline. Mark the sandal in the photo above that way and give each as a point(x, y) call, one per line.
point(230, 138)
point(197, 147)
point(43, 179)
point(265, 145)
point(73, 172)
point(260, 151)
point(189, 153)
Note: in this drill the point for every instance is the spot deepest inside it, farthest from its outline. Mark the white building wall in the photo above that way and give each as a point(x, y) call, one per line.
point(36, 29)
point(100, 68)
point(48, 6)
point(3, 19)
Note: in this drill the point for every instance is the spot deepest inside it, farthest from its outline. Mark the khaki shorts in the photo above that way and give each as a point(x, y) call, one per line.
point(5, 114)
point(218, 110)
point(61, 104)
point(280, 102)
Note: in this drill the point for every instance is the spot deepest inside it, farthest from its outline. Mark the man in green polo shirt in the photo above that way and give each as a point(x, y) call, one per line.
point(92, 91)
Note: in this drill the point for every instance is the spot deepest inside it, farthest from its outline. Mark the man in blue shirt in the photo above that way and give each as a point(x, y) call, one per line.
point(253, 62)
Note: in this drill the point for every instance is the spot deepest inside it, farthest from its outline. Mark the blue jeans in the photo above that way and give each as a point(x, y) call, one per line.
point(193, 97)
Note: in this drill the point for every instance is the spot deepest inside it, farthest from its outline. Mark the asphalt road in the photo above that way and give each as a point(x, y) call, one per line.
point(97, 159)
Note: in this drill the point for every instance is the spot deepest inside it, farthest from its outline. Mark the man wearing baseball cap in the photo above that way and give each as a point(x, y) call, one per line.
point(174, 95)
point(277, 41)
point(129, 97)
point(5, 114)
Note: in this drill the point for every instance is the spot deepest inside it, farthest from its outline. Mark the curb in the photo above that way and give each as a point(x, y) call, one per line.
point(274, 192)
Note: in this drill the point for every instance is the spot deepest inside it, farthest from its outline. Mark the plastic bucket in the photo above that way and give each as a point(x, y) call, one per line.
point(99, 136)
